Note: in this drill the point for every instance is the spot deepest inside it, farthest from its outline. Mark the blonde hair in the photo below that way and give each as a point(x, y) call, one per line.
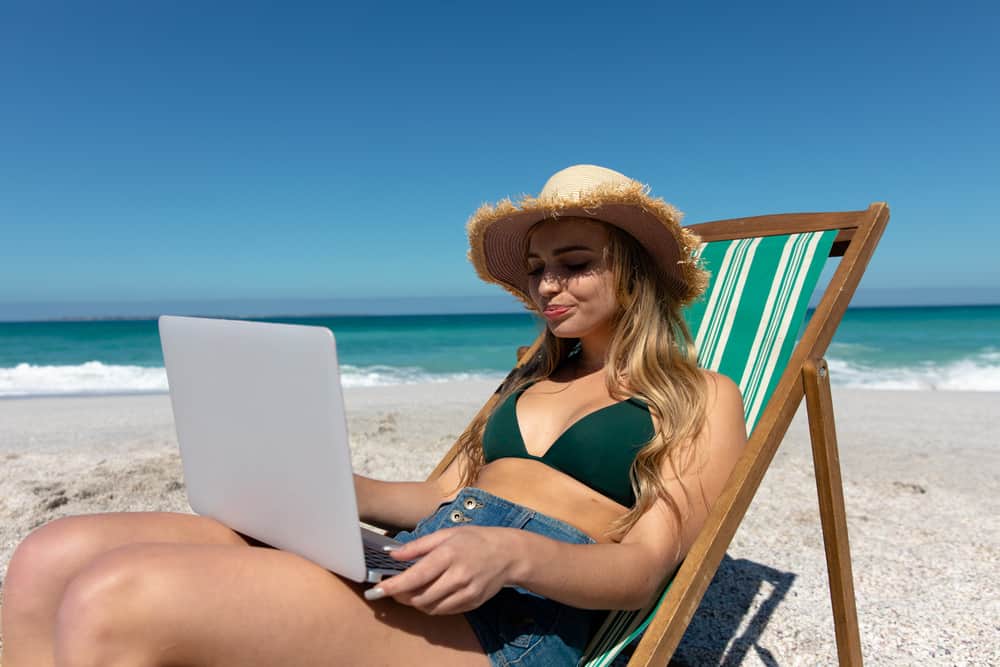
point(651, 356)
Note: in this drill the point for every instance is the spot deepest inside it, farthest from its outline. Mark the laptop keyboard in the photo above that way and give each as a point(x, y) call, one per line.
point(378, 559)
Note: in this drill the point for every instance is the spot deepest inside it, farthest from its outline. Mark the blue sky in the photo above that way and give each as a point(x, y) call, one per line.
point(245, 152)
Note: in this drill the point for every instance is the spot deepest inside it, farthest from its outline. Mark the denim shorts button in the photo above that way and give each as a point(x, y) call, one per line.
point(457, 516)
point(470, 503)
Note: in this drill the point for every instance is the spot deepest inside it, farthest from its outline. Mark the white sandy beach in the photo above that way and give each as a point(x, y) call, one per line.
point(921, 473)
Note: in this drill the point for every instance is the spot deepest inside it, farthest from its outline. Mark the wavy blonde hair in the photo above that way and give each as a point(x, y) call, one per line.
point(651, 356)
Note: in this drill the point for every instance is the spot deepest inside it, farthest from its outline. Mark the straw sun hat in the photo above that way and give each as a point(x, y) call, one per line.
point(498, 234)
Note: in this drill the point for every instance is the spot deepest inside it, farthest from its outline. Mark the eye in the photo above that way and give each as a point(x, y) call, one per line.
point(567, 267)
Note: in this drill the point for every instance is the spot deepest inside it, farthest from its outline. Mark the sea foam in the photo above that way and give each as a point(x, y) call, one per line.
point(92, 377)
point(978, 373)
point(95, 378)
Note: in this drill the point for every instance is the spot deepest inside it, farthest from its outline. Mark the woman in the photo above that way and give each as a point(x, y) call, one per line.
point(581, 491)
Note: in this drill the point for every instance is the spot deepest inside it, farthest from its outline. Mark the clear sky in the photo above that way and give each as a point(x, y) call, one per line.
point(181, 151)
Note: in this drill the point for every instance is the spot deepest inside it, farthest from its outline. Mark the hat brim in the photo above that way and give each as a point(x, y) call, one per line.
point(498, 236)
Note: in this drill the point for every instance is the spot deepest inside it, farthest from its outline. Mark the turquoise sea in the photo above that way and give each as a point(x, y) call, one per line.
point(921, 348)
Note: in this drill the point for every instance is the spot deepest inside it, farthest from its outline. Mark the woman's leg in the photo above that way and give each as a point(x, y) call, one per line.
point(45, 562)
point(184, 604)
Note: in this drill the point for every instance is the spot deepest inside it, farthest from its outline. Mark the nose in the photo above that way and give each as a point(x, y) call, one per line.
point(549, 283)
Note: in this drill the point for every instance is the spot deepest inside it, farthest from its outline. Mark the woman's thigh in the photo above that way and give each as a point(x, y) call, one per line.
point(226, 605)
point(45, 561)
point(87, 535)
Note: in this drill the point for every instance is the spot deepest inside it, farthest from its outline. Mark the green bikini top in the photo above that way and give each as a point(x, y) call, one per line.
point(598, 449)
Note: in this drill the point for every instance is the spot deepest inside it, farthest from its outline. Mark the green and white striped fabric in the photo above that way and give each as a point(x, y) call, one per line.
point(744, 327)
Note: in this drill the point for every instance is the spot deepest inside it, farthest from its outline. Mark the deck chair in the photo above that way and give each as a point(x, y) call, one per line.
point(764, 270)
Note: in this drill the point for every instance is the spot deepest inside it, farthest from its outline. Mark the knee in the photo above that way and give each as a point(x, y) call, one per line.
point(39, 559)
point(104, 616)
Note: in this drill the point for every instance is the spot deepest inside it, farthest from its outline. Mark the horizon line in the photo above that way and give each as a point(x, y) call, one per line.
point(489, 306)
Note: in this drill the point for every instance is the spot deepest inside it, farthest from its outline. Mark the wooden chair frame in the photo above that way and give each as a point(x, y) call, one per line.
point(806, 375)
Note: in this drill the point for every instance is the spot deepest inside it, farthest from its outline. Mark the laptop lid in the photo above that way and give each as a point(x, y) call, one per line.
point(262, 432)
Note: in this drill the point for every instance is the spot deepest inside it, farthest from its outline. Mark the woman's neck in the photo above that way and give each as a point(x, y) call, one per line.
point(583, 365)
point(593, 353)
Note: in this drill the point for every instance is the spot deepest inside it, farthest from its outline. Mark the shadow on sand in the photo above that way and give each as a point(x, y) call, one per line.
point(733, 613)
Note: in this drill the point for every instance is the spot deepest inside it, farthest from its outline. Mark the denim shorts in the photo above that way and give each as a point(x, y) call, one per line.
point(517, 627)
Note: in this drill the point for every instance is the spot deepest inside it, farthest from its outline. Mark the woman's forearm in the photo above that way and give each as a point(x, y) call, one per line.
point(589, 576)
point(395, 504)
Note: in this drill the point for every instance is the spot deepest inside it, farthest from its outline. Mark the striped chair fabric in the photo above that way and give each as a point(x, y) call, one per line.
point(744, 327)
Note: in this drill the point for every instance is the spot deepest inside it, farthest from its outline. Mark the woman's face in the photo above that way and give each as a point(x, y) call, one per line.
point(569, 279)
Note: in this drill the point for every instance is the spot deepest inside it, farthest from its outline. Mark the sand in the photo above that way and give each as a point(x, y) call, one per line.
point(921, 475)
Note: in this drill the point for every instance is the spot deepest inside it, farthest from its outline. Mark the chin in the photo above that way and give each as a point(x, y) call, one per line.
point(565, 330)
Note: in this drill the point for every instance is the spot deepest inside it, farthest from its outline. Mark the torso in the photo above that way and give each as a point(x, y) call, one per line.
point(544, 413)
point(545, 489)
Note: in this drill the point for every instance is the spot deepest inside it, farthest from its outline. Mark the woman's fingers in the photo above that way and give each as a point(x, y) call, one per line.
point(450, 595)
point(457, 570)
point(453, 592)
point(417, 576)
point(422, 545)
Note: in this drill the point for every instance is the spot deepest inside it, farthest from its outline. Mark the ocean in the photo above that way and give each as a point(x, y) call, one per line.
point(915, 348)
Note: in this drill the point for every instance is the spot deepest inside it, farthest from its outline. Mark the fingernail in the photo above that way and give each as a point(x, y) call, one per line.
point(391, 547)
point(373, 594)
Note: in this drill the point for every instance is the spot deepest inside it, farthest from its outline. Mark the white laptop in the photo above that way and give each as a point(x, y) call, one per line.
point(262, 431)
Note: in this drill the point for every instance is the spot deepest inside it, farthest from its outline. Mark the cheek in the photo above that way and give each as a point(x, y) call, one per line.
point(599, 292)
point(533, 290)
point(609, 301)
point(606, 283)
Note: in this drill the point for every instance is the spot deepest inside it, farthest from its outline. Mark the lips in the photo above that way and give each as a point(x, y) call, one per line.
point(552, 312)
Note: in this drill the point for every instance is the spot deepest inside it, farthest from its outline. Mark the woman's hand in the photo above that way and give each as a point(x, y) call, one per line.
point(459, 569)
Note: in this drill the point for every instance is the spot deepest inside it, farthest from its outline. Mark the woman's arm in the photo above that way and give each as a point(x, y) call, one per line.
point(463, 567)
point(398, 505)
point(403, 504)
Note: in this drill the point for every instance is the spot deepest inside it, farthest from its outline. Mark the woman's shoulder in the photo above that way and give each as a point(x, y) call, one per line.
point(725, 402)
point(719, 384)
point(723, 392)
